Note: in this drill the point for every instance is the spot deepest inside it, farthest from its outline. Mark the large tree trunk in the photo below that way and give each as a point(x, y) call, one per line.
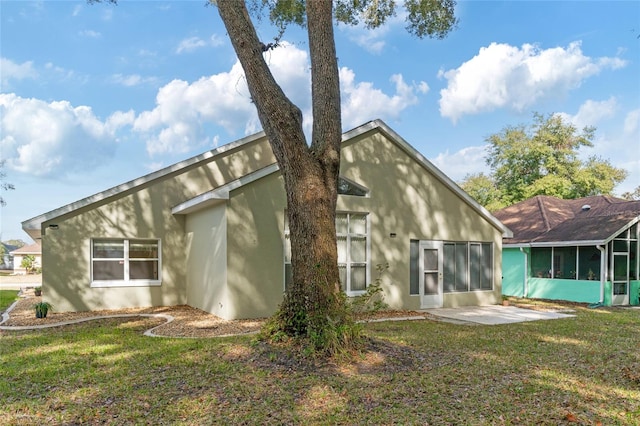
point(314, 301)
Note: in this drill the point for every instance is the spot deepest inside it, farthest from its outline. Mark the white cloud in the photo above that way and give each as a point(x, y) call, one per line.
point(48, 139)
point(175, 125)
point(183, 110)
point(504, 76)
point(12, 71)
point(132, 80)
point(632, 123)
point(591, 113)
point(468, 160)
point(190, 44)
point(89, 33)
point(76, 10)
point(362, 102)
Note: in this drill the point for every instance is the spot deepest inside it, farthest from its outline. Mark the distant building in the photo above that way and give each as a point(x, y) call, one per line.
point(582, 250)
point(6, 260)
point(18, 254)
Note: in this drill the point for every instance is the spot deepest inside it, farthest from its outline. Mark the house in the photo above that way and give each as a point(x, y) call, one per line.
point(20, 253)
point(582, 250)
point(6, 259)
point(211, 232)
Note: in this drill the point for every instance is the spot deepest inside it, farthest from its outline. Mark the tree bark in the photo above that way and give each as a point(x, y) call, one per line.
point(310, 172)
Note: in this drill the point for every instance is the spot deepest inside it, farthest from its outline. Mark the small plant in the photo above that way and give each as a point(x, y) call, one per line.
point(38, 291)
point(42, 308)
point(373, 300)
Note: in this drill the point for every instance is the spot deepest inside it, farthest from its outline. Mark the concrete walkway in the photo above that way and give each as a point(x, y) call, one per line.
point(493, 315)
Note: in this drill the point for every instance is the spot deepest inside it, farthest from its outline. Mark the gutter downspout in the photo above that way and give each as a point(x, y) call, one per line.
point(525, 290)
point(603, 272)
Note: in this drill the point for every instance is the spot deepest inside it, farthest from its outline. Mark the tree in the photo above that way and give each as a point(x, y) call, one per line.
point(28, 263)
point(484, 190)
point(541, 159)
point(5, 186)
point(314, 306)
point(635, 195)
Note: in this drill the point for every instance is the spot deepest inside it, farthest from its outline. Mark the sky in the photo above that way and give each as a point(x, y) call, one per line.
point(92, 96)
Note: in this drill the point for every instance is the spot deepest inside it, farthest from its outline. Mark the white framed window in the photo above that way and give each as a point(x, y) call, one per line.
point(468, 266)
point(352, 235)
point(118, 262)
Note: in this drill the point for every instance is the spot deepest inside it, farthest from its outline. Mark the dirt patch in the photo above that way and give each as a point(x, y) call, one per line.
point(188, 321)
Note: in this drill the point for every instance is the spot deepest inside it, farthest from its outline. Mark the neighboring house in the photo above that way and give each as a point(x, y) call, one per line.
point(211, 232)
point(6, 259)
point(29, 250)
point(583, 250)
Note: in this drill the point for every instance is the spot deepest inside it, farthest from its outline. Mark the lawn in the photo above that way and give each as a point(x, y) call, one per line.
point(582, 370)
point(7, 297)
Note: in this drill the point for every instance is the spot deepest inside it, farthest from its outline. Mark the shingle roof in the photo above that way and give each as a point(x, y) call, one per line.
point(30, 249)
point(548, 219)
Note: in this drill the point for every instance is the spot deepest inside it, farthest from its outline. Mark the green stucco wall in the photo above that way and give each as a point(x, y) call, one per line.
point(571, 290)
point(634, 293)
point(513, 272)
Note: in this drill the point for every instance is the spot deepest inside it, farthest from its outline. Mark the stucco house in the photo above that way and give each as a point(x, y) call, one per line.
point(211, 232)
point(28, 250)
point(582, 250)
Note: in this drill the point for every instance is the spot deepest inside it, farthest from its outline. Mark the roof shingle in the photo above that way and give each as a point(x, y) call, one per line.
point(549, 219)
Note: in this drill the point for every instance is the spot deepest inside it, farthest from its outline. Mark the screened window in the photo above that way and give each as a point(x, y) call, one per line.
point(541, 262)
point(467, 267)
point(588, 263)
point(564, 262)
point(351, 236)
point(124, 262)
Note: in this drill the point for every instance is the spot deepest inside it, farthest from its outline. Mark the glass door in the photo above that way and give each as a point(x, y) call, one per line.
point(431, 274)
point(620, 283)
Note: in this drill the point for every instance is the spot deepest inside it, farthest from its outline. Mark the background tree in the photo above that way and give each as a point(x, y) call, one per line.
point(632, 195)
point(541, 159)
point(4, 186)
point(314, 306)
point(28, 263)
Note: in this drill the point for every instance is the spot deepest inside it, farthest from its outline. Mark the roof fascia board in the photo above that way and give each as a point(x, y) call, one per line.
point(556, 244)
point(568, 243)
point(221, 193)
point(405, 146)
point(624, 228)
point(35, 223)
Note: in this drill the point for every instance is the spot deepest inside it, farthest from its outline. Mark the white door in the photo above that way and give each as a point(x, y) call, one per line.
point(620, 283)
point(430, 274)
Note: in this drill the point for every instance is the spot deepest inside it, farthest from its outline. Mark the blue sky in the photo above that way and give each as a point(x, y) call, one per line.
point(94, 96)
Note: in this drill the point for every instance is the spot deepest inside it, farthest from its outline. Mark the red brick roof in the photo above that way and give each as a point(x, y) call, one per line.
point(549, 219)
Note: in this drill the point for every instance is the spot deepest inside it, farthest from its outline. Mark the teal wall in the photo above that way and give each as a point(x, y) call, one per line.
point(571, 290)
point(513, 272)
point(634, 293)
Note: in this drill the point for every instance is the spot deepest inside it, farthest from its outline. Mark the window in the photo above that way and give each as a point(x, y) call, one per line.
point(564, 262)
point(122, 262)
point(467, 267)
point(588, 263)
point(353, 251)
point(414, 267)
point(541, 262)
point(346, 187)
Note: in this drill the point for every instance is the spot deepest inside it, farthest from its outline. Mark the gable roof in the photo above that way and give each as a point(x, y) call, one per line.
point(546, 220)
point(30, 249)
point(33, 226)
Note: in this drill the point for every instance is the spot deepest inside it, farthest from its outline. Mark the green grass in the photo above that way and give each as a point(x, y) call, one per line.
point(584, 370)
point(7, 297)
